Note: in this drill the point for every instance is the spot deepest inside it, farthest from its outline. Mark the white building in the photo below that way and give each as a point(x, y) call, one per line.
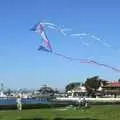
point(2, 95)
point(77, 92)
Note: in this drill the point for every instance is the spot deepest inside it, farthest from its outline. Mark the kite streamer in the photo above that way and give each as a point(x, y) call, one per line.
point(46, 46)
point(65, 31)
point(68, 32)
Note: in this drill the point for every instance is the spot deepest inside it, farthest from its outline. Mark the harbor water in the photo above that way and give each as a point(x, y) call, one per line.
point(12, 101)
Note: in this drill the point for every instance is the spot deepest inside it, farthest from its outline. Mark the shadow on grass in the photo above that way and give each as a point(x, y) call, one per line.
point(31, 119)
point(74, 119)
point(58, 119)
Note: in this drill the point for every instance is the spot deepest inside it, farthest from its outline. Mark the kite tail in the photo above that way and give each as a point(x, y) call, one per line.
point(70, 58)
point(87, 61)
point(61, 55)
point(107, 66)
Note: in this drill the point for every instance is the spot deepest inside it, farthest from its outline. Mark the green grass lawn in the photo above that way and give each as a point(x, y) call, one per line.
point(101, 112)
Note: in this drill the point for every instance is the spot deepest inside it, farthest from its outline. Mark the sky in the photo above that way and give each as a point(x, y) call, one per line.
point(23, 66)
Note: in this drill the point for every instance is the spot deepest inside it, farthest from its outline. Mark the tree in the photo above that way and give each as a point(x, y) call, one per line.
point(71, 86)
point(46, 91)
point(8, 91)
point(119, 80)
point(92, 84)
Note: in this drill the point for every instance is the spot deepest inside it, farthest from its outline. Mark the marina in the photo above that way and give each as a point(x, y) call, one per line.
point(12, 101)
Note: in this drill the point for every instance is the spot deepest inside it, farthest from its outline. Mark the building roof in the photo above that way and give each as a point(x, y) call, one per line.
point(116, 84)
point(113, 84)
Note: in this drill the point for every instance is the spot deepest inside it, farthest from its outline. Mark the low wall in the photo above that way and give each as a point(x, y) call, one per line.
point(90, 99)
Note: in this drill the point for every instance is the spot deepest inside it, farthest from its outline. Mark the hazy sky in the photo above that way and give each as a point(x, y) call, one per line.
point(22, 66)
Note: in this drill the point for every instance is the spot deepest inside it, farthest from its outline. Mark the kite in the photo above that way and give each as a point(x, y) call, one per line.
point(39, 28)
point(46, 46)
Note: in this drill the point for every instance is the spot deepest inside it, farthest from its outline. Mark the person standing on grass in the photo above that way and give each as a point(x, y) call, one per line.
point(79, 103)
point(19, 103)
point(85, 104)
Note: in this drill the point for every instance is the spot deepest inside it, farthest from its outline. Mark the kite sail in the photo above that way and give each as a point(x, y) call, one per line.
point(43, 48)
point(46, 47)
point(39, 28)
